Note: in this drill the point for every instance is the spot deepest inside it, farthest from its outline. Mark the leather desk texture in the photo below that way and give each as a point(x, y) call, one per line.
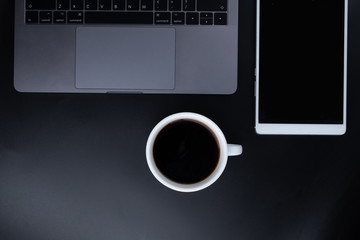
point(73, 166)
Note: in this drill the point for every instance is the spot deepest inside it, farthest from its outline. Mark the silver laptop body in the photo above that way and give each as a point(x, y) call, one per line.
point(144, 46)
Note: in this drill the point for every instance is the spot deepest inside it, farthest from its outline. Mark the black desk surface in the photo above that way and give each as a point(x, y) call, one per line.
point(72, 166)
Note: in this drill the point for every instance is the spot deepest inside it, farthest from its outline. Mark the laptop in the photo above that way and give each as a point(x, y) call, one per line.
point(126, 46)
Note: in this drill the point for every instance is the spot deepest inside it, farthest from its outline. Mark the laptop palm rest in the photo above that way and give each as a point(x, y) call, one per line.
point(125, 58)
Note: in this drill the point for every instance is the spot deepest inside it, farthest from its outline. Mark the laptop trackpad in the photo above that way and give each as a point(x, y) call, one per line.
point(125, 58)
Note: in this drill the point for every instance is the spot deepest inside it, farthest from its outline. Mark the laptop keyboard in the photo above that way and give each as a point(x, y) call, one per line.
point(170, 12)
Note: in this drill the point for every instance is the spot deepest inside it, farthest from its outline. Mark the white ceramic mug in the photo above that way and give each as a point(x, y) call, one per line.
point(225, 151)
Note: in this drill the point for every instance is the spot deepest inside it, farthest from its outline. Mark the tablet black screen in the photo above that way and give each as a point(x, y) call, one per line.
point(301, 78)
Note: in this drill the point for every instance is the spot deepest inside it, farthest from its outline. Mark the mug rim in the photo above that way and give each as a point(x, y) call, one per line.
point(223, 155)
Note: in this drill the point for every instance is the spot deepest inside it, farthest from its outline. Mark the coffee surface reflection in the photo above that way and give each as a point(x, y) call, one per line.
point(186, 151)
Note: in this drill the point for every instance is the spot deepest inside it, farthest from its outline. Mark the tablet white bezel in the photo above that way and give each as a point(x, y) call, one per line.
point(299, 129)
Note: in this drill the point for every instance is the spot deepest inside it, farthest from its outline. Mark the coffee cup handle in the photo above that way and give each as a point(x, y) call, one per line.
point(234, 149)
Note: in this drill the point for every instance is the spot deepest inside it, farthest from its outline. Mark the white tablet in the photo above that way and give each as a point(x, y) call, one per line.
point(301, 67)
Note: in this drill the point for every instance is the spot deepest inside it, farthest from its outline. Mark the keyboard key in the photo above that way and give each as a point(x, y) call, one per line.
point(91, 4)
point(59, 17)
point(77, 4)
point(63, 4)
point(189, 5)
point(206, 21)
point(45, 17)
point(40, 4)
point(75, 17)
point(147, 5)
point(192, 18)
point(212, 5)
point(220, 18)
point(119, 17)
point(133, 5)
point(161, 5)
point(178, 18)
point(118, 5)
point(162, 18)
point(206, 15)
point(32, 17)
point(175, 5)
point(104, 4)
point(206, 18)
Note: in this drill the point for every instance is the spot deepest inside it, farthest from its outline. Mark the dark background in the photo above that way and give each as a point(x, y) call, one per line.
point(72, 166)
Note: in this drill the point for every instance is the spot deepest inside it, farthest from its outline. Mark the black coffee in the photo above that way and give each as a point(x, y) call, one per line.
point(186, 151)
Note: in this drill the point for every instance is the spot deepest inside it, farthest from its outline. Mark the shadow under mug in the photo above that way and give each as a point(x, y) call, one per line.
point(225, 150)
